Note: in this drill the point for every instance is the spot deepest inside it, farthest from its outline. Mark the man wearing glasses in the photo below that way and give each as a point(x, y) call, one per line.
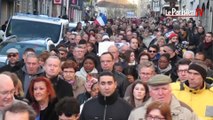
point(7, 91)
point(13, 61)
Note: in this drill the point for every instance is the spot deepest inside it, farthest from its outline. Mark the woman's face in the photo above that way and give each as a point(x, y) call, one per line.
point(155, 115)
point(130, 78)
point(94, 90)
point(139, 92)
point(163, 62)
point(143, 58)
point(89, 82)
point(68, 73)
point(89, 65)
point(89, 47)
point(161, 42)
point(40, 91)
point(132, 57)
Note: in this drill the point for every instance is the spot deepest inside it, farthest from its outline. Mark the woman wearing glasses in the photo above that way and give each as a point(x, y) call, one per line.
point(158, 111)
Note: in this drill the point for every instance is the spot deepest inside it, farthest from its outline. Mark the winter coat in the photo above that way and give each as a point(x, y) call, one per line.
point(106, 108)
point(201, 101)
point(179, 111)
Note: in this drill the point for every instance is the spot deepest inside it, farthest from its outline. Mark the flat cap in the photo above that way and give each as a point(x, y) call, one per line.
point(12, 50)
point(159, 79)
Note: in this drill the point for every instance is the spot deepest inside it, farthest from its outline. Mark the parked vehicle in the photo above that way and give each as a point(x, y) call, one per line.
point(39, 45)
point(28, 26)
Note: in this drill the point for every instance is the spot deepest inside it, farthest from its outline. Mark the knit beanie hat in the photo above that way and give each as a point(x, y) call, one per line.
point(199, 67)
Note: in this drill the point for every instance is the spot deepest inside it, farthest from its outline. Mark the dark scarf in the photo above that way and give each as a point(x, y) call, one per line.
point(207, 45)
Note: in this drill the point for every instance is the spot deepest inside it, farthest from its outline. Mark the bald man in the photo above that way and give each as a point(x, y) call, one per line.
point(115, 52)
point(7, 91)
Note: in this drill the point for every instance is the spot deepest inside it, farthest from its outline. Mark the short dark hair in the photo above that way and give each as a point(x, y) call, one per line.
point(106, 73)
point(183, 61)
point(210, 33)
point(29, 50)
point(21, 107)
point(105, 53)
point(68, 106)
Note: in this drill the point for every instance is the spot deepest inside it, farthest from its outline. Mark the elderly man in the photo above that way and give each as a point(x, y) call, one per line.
point(115, 52)
point(160, 90)
point(7, 91)
point(195, 92)
point(13, 58)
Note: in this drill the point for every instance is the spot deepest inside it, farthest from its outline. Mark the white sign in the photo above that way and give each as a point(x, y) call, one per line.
point(103, 46)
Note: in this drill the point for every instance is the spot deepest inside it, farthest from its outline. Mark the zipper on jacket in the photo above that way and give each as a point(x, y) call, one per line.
point(105, 108)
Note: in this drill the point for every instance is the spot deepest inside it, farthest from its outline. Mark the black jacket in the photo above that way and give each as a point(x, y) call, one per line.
point(62, 88)
point(106, 108)
point(11, 68)
point(122, 81)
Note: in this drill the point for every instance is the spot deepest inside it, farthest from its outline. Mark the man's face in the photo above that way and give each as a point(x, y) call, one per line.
point(134, 43)
point(107, 85)
point(18, 116)
point(145, 73)
point(152, 52)
point(208, 38)
point(199, 57)
point(114, 52)
point(71, 38)
point(182, 72)
point(107, 62)
point(195, 79)
point(161, 93)
point(13, 57)
point(78, 53)
point(52, 67)
point(7, 91)
point(92, 39)
point(62, 54)
point(32, 65)
point(169, 51)
point(77, 39)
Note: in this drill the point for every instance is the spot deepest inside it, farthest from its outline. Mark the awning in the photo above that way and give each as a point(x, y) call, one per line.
point(115, 4)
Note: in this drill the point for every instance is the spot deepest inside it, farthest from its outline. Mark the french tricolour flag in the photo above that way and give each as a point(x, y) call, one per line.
point(101, 20)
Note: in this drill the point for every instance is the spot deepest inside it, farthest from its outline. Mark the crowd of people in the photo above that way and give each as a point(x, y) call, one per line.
point(156, 69)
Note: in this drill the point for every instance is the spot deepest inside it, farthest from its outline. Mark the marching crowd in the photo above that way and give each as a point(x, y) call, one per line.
point(157, 69)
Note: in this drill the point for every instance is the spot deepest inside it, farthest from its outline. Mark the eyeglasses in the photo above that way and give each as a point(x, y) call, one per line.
point(182, 71)
point(68, 71)
point(152, 51)
point(6, 93)
point(11, 55)
point(149, 117)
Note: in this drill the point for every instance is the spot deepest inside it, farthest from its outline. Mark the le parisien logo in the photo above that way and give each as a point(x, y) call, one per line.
point(184, 13)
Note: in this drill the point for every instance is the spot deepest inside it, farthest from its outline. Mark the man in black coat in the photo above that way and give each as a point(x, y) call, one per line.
point(13, 61)
point(107, 64)
point(52, 69)
point(108, 105)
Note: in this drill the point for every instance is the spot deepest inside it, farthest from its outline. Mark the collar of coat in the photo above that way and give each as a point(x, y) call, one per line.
point(109, 100)
point(195, 91)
